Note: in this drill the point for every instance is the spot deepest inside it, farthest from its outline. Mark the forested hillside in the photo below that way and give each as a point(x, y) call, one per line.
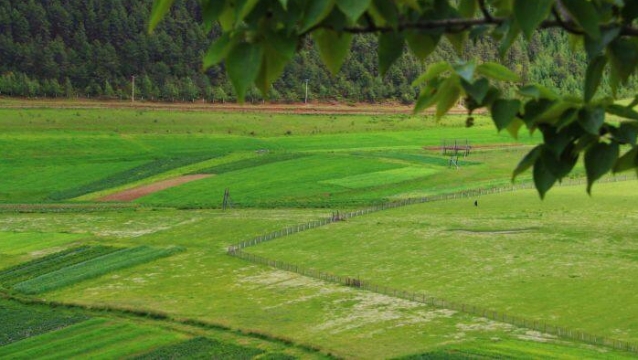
point(93, 48)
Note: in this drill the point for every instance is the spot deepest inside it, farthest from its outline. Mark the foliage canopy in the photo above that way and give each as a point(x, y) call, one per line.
point(260, 36)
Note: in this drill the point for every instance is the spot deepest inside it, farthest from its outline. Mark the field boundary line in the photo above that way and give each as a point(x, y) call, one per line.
point(340, 216)
point(66, 207)
point(237, 251)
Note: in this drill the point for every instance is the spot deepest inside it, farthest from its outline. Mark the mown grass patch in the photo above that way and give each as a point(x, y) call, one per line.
point(22, 321)
point(92, 268)
point(201, 348)
point(95, 338)
point(379, 178)
point(15, 243)
point(52, 262)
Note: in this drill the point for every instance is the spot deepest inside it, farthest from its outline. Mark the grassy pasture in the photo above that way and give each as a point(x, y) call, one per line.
point(338, 162)
point(564, 261)
point(204, 283)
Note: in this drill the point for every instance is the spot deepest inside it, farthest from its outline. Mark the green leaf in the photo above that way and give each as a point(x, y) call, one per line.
point(627, 133)
point(390, 49)
point(333, 47)
point(476, 90)
point(159, 10)
point(242, 64)
point(543, 177)
point(511, 30)
point(447, 95)
point(627, 162)
point(622, 111)
point(353, 8)
point(422, 45)
point(537, 91)
point(284, 4)
point(584, 13)
point(594, 75)
point(529, 14)
point(503, 112)
point(315, 12)
point(427, 98)
point(497, 72)
point(211, 10)
point(560, 165)
point(457, 40)
point(244, 7)
point(279, 49)
point(623, 55)
point(432, 72)
point(599, 159)
point(527, 161)
point(591, 119)
point(514, 127)
point(218, 50)
point(384, 12)
point(465, 70)
point(467, 8)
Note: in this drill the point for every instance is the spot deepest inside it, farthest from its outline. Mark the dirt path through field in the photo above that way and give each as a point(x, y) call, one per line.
point(138, 192)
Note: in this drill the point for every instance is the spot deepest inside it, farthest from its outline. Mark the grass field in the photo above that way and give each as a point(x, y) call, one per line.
point(541, 260)
point(563, 261)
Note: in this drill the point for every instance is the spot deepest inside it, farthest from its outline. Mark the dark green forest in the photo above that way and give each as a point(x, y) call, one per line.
point(94, 48)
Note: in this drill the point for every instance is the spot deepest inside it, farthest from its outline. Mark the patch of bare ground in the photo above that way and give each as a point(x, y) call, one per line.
point(323, 108)
point(138, 192)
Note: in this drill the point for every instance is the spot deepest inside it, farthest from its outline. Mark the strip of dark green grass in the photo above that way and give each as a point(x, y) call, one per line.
point(93, 268)
point(137, 173)
point(202, 348)
point(21, 321)
point(252, 162)
point(53, 262)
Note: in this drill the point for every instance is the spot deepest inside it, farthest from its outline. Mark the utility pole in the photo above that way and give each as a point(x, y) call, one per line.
point(133, 88)
point(306, 98)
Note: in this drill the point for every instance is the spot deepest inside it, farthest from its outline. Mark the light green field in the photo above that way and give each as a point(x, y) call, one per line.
point(204, 283)
point(563, 261)
point(19, 246)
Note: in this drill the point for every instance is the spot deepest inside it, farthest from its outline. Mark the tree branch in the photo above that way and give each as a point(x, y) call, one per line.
point(486, 13)
point(457, 25)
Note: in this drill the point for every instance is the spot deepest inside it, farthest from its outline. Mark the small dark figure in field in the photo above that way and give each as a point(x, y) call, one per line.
point(475, 202)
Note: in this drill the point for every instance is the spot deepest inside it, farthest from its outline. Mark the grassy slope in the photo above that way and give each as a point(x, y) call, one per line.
point(564, 261)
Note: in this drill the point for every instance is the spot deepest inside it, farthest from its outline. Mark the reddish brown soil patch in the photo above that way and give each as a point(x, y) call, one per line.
point(138, 192)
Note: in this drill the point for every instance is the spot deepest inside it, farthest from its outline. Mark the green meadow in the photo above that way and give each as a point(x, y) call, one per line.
point(155, 280)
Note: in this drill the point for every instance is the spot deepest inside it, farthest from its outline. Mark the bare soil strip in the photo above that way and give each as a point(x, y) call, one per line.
point(322, 108)
point(138, 192)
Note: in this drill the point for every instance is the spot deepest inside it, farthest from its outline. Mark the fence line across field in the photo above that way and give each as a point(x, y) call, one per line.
point(406, 202)
point(518, 321)
point(562, 332)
